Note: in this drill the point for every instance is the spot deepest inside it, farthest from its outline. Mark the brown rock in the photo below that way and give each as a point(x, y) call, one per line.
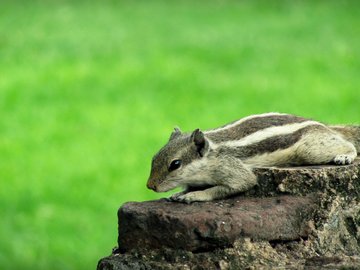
point(245, 254)
point(332, 179)
point(205, 226)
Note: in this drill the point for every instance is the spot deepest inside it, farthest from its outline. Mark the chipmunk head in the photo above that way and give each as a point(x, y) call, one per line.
point(168, 168)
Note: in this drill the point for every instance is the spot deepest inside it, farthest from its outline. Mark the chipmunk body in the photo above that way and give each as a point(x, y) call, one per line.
point(222, 158)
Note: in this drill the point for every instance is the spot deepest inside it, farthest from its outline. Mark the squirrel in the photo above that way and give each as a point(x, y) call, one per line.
point(222, 159)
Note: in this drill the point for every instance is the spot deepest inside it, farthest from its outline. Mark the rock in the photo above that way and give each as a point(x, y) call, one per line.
point(295, 218)
point(204, 226)
point(330, 179)
point(245, 254)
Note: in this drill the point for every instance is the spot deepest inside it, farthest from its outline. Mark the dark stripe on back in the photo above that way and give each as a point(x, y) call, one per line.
point(252, 125)
point(268, 145)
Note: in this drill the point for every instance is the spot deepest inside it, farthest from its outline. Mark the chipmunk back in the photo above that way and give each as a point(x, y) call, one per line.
point(222, 159)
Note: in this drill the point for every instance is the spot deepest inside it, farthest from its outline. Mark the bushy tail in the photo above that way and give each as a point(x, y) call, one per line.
point(350, 133)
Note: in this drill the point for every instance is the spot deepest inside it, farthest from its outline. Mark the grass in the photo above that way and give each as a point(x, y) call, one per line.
point(89, 91)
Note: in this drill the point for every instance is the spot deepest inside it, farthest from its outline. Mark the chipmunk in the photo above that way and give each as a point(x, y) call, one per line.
point(222, 159)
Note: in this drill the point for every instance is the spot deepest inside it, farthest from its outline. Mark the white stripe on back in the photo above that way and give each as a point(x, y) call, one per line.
point(268, 132)
point(242, 120)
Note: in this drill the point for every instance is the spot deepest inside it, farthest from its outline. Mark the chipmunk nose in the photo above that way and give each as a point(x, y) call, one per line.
point(150, 185)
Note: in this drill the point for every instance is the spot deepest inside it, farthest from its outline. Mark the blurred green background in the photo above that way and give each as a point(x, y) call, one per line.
point(89, 91)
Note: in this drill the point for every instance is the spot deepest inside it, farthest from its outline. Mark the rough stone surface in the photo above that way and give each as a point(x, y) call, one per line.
point(205, 226)
point(296, 218)
point(334, 180)
point(245, 254)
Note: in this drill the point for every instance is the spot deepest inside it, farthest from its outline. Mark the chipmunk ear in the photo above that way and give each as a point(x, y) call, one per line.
point(176, 133)
point(200, 141)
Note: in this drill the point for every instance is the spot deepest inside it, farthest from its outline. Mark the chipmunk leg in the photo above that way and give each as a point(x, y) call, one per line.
point(209, 194)
point(232, 177)
point(323, 147)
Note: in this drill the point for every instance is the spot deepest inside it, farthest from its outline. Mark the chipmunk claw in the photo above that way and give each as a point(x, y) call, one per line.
point(195, 196)
point(343, 159)
point(180, 199)
point(175, 197)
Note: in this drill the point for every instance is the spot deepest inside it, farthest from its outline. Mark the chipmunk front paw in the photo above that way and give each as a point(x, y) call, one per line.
point(195, 196)
point(175, 197)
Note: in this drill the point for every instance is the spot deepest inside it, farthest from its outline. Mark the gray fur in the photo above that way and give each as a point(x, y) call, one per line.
point(179, 147)
point(222, 159)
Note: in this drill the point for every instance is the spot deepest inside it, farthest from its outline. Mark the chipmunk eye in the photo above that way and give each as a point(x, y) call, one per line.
point(175, 164)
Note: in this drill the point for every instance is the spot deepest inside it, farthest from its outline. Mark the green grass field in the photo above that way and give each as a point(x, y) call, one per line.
point(90, 91)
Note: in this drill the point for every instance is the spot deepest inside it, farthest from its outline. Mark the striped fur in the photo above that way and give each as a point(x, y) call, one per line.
point(269, 132)
point(251, 124)
point(223, 157)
